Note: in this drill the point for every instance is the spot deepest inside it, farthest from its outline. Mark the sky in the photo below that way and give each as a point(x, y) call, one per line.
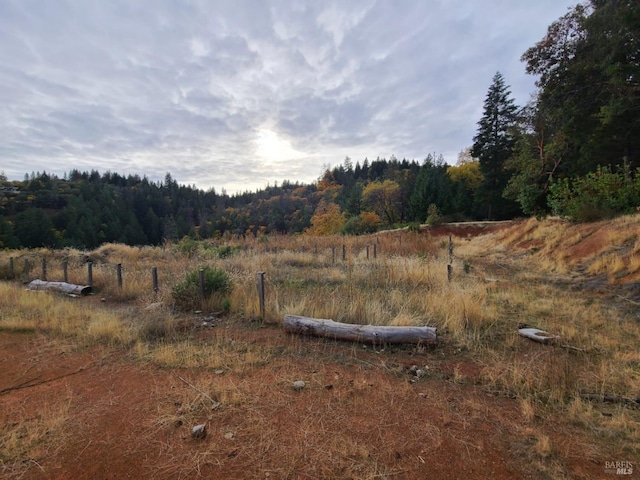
point(237, 94)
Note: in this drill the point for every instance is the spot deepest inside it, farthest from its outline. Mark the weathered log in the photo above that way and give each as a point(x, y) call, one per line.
point(359, 333)
point(63, 287)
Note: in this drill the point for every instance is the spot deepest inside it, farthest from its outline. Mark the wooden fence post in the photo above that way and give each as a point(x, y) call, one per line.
point(260, 278)
point(367, 252)
point(65, 265)
point(344, 252)
point(450, 265)
point(11, 272)
point(201, 280)
point(27, 267)
point(375, 250)
point(90, 274)
point(154, 276)
point(119, 275)
point(44, 269)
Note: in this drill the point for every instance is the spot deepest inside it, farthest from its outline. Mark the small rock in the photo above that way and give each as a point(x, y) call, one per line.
point(299, 385)
point(229, 435)
point(218, 372)
point(154, 306)
point(329, 386)
point(199, 431)
point(103, 299)
point(413, 368)
point(420, 373)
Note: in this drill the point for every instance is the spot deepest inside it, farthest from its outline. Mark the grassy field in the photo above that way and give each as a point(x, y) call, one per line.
point(577, 281)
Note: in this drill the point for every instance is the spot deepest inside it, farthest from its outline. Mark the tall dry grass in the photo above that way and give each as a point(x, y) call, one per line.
point(519, 275)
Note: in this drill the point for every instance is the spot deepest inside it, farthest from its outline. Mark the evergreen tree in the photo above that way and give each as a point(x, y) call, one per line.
point(432, 186)
point(34, 228)
point(493, 145)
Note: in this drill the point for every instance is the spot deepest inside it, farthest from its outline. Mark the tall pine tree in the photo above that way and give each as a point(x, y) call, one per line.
point(493, 146)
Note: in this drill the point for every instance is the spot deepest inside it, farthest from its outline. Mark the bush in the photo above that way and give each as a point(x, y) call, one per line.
point(217, 285)
point(227, 251)
point(599, 195)
point(366, 222)
point(433, 215)
point(187, 246)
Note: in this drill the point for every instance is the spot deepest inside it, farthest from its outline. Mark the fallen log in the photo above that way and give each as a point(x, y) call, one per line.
point(63, 287)
point(374, 334)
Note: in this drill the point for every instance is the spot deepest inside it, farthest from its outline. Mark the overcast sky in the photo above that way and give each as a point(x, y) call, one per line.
point(237, 94)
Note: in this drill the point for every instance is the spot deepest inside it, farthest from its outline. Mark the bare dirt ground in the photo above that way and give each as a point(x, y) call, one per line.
point(362, 414)
point(361, 406)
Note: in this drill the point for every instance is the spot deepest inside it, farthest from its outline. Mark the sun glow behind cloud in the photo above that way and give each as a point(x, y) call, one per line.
point(247, 93)
point(272, 148)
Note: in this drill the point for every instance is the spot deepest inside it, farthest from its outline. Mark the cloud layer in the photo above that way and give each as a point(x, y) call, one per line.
point(239, 94)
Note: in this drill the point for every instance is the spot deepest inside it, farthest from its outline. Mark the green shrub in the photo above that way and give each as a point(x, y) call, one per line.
point(433, 215)
point(217, 285)
point(187, 246)
point(598, 195)
point(227, 251)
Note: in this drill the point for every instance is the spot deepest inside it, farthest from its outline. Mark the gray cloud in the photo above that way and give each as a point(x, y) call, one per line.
point(188, 86)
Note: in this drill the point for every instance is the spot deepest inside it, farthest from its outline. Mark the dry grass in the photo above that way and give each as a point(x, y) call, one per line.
point(27, 437)
point(535, 264)
point(22, 310)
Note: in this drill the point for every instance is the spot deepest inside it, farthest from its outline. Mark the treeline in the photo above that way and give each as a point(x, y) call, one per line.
point(573, 150)
point(87, 209)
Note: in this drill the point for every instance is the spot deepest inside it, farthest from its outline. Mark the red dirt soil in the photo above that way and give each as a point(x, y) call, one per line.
point(362, 415)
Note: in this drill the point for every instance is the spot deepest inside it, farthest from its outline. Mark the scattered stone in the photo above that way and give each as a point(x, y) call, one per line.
point(199, 431)
point(229, 435)
point(103, 299)
point(299, 385)
point(328, 387)
point(154, 306)
point(420, 373)
point(423, 395)
point(413, 369)
point(218, 372)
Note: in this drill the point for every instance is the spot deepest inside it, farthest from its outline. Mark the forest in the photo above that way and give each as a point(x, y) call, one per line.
point(573, 150)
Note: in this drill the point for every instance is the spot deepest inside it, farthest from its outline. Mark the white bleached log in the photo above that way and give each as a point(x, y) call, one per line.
point(63, 287)
point(359, 333)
